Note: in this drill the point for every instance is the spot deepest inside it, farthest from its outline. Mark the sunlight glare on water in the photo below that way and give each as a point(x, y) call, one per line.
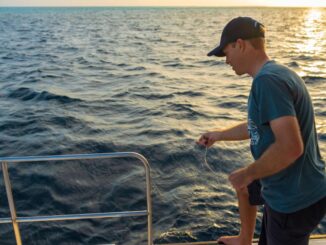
point(314, 33)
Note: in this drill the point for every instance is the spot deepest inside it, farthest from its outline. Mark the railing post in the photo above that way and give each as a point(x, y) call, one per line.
point(11, 203)
point(148, 197)
point(149, 201)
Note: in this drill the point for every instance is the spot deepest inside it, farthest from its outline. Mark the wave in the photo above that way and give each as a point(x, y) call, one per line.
point(27, 94)
point(320, 113)
point(137, 68)
point(92, 146)
point(122, 65)
point(102, 51)
point(211, 62)
point(175, 236)
point(322, 136)
point(190, 93)
point(313, 79)
point(188, 109)
point(153, 96)
point(158, 132)
point(140, 75)
point(179, 65)
point(119, 95)
point(82, 61)
point(303, 57)
point(13, 125)
point(240, 96)
point(293, 64)
point(239, 105)
point(68, 49)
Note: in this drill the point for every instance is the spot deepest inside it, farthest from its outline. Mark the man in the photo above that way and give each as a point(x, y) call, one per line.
point(283, 142)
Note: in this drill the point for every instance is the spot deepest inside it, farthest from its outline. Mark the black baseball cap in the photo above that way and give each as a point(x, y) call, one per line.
point(240, 27)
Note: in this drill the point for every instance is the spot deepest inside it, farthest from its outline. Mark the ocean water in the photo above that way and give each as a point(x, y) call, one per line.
point(94, 80)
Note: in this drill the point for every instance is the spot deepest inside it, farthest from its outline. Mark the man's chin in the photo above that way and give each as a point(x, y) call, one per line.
point(239, 73)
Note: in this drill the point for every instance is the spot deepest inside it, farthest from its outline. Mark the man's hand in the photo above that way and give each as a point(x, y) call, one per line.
point(238, 132)
point(240, 178)
point(208, 139)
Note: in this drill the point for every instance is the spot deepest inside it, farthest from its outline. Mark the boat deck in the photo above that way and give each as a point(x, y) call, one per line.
point(311, 242)
point(314, 240)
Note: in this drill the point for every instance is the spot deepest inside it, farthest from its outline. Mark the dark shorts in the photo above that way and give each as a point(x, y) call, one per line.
point(254, 190)
point(293, 228)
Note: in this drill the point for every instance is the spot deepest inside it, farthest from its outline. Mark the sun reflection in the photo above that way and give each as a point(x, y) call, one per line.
point(313, 33)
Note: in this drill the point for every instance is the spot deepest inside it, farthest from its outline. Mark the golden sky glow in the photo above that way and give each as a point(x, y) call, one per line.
point(294, 3)
point(217, 3)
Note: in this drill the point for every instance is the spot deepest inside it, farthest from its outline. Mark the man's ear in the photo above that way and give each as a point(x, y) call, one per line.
point(241, 44)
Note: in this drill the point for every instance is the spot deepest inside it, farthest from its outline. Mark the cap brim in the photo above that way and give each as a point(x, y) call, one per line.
point(218, 51)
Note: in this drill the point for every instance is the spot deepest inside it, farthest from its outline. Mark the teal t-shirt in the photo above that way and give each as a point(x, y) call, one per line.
point(278, 91)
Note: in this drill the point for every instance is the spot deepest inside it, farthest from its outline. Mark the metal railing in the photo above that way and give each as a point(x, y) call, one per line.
point(16, 220)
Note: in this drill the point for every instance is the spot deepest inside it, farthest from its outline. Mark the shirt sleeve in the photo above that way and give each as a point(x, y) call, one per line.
point(274, 98)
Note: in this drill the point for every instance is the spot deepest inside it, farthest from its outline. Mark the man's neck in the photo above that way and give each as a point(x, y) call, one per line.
point(257, 62)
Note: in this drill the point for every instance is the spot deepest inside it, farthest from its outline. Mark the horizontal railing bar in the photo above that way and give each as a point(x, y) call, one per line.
point(76, 216)
point(70, 157)
point(5, 220)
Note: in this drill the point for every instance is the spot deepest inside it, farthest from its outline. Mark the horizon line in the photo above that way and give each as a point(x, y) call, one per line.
point(154, 6)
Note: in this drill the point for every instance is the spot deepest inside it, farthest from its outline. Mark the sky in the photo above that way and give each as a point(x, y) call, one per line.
point(217, 3)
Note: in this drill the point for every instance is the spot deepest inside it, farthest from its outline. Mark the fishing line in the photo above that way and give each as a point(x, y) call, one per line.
point(155, 188)
point(206, 163)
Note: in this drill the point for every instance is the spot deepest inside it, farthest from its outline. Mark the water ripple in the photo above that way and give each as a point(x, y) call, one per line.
point(27, 94)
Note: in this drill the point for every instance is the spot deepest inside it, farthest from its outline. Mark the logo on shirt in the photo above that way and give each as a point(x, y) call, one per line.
point(253, 132)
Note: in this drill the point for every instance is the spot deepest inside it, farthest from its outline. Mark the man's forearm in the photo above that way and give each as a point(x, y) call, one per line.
point(276, 158)
point(287, 147)
point(238, 132)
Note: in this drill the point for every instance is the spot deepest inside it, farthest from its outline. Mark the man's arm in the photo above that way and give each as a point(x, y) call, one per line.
point(288, 147)
point(238, 132)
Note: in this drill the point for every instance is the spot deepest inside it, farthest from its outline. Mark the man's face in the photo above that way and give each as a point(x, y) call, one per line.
point(233, 58)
